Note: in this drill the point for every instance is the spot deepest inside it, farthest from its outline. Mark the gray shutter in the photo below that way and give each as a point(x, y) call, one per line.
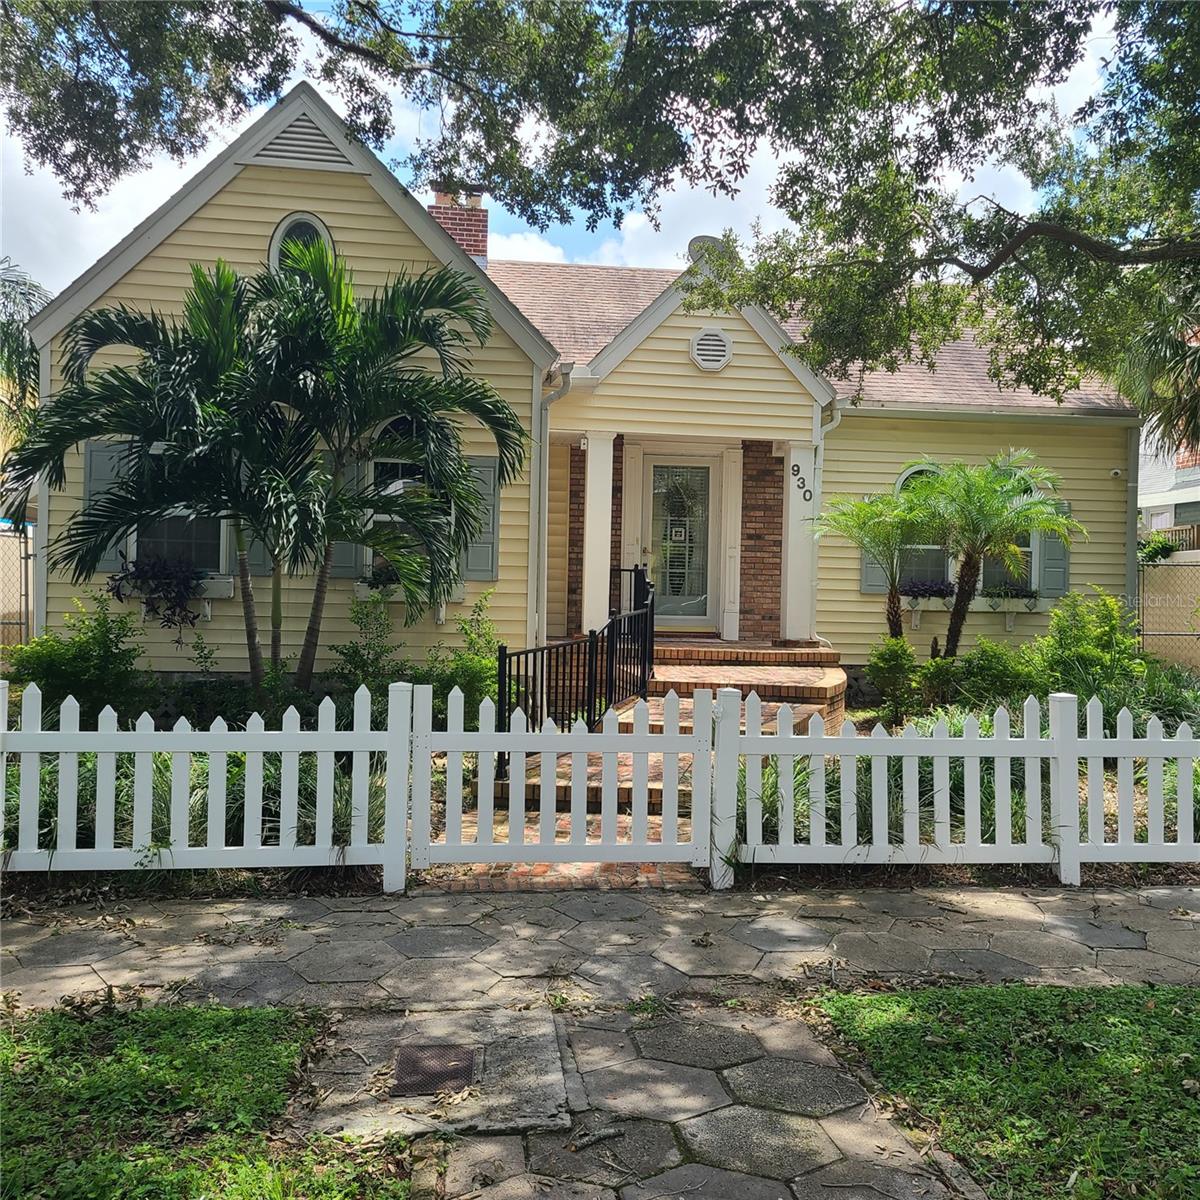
point(256, 556)
point(345, 561)
point(1054, 569)
point(101, 469)
point(482, 557)
point(871, 576)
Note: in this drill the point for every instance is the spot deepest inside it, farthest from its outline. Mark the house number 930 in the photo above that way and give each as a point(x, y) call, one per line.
point(801, 483)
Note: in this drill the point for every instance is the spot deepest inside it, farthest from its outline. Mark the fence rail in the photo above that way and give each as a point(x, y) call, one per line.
point(727, 789)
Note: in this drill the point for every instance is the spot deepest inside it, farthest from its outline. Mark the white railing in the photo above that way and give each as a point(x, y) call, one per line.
point(119, 798)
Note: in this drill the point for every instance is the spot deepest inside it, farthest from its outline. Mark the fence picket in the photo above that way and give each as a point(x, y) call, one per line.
point(454, 770)
point(217, 783)
point(817, 816)
point(181, 762)
point(547, 789)
point(701, 767)
point(609, 766)
point(106, 783)
point(849, 786)
point(396, 797)
point(31, 771)
point(252, 829)
point(1125, 830)
point(1155, 823)
point(289, 782)
point(910, 791)
point(326, 723)
point(143, 790)
point(972, 800)
point(360, 773)
point(1184, 790)
point(754, 774)
point(485, 778)
point(1031, 726)
point(786, 770)
point(516, 784)
point(579, 770)
point(68, 777)
point(941, 784)
point(670, 772)
point(422, 773)
point(879, 791)
point(1094, 716)
point(1002, 777)
point(640, 819)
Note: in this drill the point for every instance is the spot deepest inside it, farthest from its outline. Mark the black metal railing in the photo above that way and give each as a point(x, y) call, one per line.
point(582, 678)
point(628, 589)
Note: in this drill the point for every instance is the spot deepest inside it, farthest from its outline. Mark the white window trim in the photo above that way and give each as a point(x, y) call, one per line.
point(281, 232)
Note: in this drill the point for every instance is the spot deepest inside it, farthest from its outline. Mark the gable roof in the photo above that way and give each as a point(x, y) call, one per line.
point(303, 132)
point(584, 308)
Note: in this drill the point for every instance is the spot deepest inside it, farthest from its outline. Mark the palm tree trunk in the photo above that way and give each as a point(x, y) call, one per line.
point(276, 615)
point(968, 577)
point(249, 612)
point(895, 615)
point(312, 635)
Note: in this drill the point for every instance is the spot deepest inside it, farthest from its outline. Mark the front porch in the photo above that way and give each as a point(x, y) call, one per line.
point(723, 527)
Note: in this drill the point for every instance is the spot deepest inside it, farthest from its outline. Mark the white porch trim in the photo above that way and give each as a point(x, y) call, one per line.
point(801, 501)
point(597, 527)
point(731, 542)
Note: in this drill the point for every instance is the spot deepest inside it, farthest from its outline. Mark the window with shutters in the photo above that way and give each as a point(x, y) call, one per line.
point(300, 227)
point(921, 563)
point(712, 349)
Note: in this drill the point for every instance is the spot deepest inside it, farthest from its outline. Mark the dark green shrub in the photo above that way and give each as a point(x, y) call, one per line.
point(96, 662)
point(892, 668)
point(937, 681)
point(1154, 547)
point(471, 668)
point(994, 673)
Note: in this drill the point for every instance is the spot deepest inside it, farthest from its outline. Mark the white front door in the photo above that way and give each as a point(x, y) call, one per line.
point(680, 510)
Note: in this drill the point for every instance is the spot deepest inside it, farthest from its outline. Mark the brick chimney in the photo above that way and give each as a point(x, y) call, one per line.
point(464, 218)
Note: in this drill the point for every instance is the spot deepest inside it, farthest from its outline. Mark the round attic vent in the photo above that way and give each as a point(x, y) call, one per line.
point(711, 349)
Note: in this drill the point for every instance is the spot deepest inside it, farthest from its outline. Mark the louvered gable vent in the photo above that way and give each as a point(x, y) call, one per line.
point(303, 144)
point(711, 349)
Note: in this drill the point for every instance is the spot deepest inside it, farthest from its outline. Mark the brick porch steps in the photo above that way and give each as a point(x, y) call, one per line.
point(801, 715)
point(711, 650)
point(820, 684)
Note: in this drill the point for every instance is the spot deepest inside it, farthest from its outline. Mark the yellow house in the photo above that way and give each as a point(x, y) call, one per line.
point(693, 443)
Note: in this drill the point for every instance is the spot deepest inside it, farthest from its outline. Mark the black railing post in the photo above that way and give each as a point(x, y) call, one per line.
point(502, 711)
point(590, 686)
point(647, 644)
point(612, 641)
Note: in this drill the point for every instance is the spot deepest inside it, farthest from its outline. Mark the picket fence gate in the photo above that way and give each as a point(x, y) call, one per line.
point(715, 794)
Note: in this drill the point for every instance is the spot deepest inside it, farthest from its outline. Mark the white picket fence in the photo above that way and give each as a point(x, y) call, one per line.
point(119, 798)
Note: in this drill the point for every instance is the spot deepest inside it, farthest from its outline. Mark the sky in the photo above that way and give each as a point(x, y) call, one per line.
point(40, 231)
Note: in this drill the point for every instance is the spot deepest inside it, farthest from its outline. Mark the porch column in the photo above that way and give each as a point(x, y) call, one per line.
point(597, 527)
point(799, 509)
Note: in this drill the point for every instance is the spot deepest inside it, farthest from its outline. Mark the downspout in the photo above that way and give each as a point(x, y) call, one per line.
point(563, 374)
point(1132, 468)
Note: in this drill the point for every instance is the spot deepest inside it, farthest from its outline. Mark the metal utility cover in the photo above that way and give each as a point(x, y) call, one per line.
point(425, 1070)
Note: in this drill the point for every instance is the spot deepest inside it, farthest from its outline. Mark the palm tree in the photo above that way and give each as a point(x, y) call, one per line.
point(197, 431)
point(20, 298)
point(880, 527)
point(358, 375)
point(1161, 370)
point(984, 511)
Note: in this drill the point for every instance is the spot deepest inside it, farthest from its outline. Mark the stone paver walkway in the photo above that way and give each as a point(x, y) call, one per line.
point(635, 1044)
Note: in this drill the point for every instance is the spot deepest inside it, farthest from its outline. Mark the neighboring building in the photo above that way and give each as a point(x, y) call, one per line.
point(1168, 487)
point(692, 442)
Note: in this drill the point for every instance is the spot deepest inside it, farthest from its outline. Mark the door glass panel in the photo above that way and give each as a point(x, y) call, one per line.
point(679, 525)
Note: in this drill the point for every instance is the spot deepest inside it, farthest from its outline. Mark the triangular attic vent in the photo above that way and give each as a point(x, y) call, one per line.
point(303, 144)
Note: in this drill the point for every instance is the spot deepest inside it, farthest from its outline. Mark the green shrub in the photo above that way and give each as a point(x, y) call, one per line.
point(373, 658)
point(892, 668)
point(1154, 547)
point(471, 668)
point(994, 673)
point(938, 681)
point(96, 662)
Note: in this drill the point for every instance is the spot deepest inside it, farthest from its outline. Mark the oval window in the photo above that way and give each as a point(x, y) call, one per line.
point(297, 227)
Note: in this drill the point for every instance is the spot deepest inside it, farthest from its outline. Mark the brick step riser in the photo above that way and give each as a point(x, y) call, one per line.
point(758, 658)
point(772, 693)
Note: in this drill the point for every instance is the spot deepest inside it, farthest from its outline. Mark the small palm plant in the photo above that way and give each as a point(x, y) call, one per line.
point(880, 527)
point(984, 510)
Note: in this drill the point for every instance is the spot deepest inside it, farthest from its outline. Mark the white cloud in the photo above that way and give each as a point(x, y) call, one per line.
point(527, 246)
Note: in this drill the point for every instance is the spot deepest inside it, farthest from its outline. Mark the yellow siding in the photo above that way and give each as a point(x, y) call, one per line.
point(866, 453)
point(658, 391)
point(559, 500)
point(236, 224)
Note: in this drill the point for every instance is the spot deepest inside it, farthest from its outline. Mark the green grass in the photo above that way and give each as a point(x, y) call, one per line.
point(170, 1103)
point(1045, 1092)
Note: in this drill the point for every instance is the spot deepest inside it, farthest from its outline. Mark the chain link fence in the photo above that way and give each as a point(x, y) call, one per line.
point(1169, 611)
point(16, 585)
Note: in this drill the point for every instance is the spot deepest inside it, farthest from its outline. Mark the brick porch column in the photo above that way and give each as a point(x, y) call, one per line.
point(597, 527)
